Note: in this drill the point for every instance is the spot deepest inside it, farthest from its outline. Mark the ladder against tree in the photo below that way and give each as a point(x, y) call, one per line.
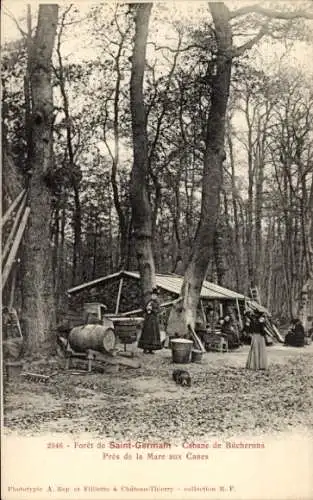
point(14, 220)
point(17, 214)
point(255, 294)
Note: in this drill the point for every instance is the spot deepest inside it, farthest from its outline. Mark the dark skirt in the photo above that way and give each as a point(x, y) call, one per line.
point(233, 340)
point(150, 338)
point(257, 357)
point(294, 339)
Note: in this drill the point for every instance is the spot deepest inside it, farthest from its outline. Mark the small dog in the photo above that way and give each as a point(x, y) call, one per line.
point(182, 377)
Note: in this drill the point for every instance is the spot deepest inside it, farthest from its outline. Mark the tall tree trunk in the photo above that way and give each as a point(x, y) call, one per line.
point(60, 285)
point(123, 215)
point(219, 252)
point(38, 313)
point(74, 173)
point(249, 226)
point(27, 89)
point(141, 209)
point(77, 227)
point(258, 216)
point(212, 172)
point(236, 247)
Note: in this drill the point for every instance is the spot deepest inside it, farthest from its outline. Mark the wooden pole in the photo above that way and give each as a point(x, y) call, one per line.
point(13, 230)
point(12, 207)
point(221, 310)
point(239, 314)
point(203, 312)
point(15, 247)
point(119, 296)
point(13, 282)
point(196, 339)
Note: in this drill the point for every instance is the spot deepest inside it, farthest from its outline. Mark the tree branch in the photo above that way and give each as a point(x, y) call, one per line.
point(272, 13)
point(171, 49)
point(238, 51)
point(11, 16)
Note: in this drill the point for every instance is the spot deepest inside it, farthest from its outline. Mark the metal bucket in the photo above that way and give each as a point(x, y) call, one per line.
point(196, 356)
point(181, 350)
point(13, 368)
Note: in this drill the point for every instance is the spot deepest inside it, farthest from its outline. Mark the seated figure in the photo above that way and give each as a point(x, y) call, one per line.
point(230, 331)
point(295, 337)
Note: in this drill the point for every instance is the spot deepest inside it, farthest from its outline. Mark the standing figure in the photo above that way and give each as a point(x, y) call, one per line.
point(150, 339)
point(257, 357)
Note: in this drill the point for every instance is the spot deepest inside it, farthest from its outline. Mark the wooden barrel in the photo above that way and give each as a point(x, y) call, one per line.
point(96, 337)
point(127, 329)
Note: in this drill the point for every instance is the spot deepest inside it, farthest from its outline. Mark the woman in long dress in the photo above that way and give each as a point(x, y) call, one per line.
point(150, 339)
point(257, 357)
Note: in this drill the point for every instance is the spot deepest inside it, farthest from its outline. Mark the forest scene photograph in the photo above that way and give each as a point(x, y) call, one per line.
point(157, 201)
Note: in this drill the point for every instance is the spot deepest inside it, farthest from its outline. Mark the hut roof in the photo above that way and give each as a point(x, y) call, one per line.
point(169, 282)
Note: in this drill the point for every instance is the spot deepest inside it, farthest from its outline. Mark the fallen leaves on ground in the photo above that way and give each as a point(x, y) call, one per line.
point(223, 400)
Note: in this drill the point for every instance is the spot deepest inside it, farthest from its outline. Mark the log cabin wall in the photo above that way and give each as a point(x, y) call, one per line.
point(107, 293)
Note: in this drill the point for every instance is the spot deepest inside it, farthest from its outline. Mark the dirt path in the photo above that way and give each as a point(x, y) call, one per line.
point(137, 404)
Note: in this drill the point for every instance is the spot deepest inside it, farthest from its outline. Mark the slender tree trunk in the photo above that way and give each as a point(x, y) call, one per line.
point(74, 169)
point(60, 286)
point(219, 252)
point(309, 232)
point(258, 216)
point(236, 248)
point(77, 227)
point(141, 209)
point(115, 156)
point(38, 313)
point(249, 226)
point(212, 172)
point(27, 89)
point(55, 237)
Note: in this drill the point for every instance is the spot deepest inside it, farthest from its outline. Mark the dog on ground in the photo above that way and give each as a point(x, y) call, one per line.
point(182, 377)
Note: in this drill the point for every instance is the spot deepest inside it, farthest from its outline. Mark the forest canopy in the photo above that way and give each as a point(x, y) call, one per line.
point(174, 133)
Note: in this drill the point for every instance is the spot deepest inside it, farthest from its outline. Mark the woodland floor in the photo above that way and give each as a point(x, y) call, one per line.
point(145, 403)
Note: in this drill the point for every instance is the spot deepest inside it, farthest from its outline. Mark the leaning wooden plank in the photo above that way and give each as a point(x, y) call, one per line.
point(274, 332)
point(116, 360)
point(130, 313)
point(15, 247)
point(196, 340)
point(119, 293)
point(13, 229)
point(12, 207)
point(12, 291)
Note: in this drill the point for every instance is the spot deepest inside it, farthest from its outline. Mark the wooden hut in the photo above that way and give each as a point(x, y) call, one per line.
point(121, 293)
